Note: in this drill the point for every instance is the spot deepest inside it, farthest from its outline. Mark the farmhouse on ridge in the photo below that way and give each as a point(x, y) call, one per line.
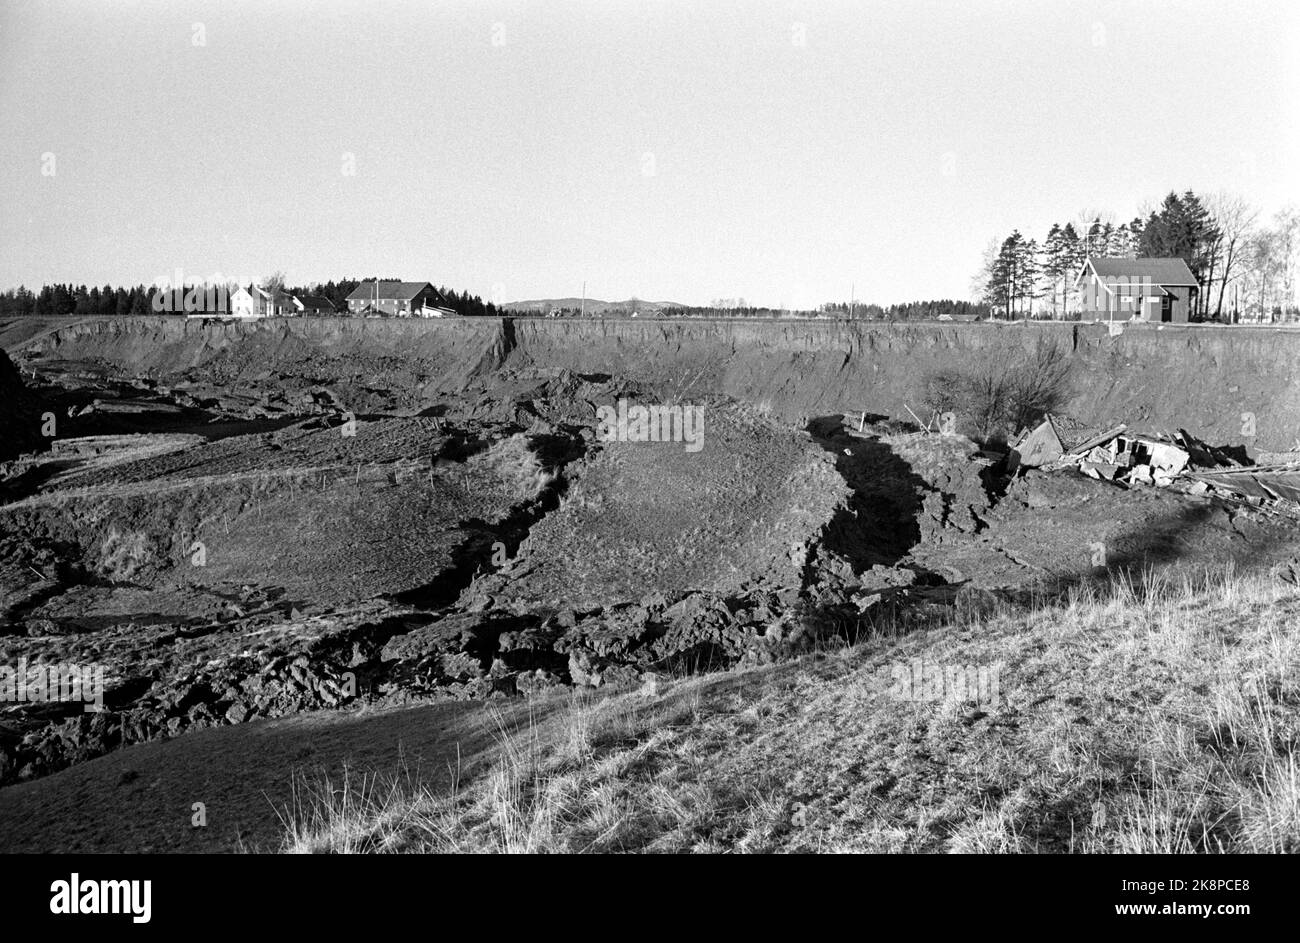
point(254, 302)
point(1149, 289)
point(393, 299)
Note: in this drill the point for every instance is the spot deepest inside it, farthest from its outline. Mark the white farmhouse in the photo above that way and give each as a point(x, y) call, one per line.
point(254, 302)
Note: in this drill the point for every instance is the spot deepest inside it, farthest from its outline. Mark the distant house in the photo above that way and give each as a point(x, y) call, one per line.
point(247, 303)
point(1148, 289)
point(392, 299)
point(317, 306)
point(255, 302)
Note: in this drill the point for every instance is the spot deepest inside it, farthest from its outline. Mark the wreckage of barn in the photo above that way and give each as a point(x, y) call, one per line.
point(1163, 460)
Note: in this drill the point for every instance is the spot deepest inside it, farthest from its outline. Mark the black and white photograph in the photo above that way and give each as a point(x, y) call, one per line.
point(651, 427)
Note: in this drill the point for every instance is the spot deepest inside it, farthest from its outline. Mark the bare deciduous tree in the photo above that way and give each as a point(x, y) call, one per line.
point(1236, 224)
point(1269, 265)
point(274, 281)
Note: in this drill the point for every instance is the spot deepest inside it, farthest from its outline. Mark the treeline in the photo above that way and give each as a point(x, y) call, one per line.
point(709, 311)
point(121, 301)
point(909, 311)
point(1243, 268)
point(92, 301)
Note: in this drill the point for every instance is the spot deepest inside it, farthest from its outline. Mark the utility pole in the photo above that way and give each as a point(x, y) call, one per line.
point(853, 297)
point(583, 311)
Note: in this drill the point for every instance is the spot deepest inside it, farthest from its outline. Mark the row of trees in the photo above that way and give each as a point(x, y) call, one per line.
point(908, 311)
point(76, 299)
point(122, 301)
point(1245, 268)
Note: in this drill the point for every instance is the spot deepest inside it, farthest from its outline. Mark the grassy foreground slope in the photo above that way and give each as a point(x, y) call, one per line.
point(1150, 717)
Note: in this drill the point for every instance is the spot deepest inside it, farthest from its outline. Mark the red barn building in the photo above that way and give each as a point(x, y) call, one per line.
point(392, 299)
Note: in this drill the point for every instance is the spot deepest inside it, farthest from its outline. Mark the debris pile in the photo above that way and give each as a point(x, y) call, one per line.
point(1165, 460)
point(1257, 484)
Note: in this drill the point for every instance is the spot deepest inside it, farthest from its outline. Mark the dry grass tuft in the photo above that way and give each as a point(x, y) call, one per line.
point(514, 463)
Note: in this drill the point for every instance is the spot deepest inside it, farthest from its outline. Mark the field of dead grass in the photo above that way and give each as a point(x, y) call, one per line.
point(1157, 715)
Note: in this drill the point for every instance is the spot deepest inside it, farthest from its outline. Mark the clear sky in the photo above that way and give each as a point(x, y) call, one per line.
point(685, 151)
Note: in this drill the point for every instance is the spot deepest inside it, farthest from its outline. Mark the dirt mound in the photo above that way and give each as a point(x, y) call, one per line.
point(538, 399)
point(245, 577)
point(957, 482)
point(934, 504)
point(322, 517)
point(652, 519)
point(1056, 529)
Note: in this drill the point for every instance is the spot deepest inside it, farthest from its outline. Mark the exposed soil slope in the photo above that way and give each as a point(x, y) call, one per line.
point(1199, 377)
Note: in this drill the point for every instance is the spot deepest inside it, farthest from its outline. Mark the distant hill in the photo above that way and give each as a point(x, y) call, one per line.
point(593, 305)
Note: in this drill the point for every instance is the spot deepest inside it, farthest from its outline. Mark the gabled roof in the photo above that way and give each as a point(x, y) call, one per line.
point(389, 291)
point(316, 302)
point(1158, 271)
point(1071, 433)
point(257, 291)
point(272, 296)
